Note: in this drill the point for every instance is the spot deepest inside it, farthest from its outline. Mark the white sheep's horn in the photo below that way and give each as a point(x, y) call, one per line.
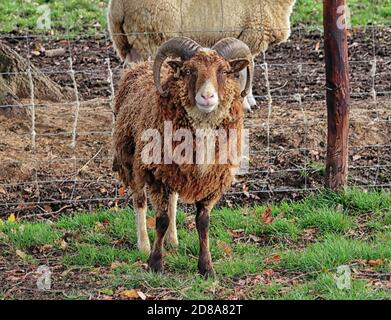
point(178, 47)
point(232, 48)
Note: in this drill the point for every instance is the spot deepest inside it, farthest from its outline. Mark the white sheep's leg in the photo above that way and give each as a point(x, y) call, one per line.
point(132, 57)
point(171, 237)
point(250, 97)
point(140, 207)
point(242, 80)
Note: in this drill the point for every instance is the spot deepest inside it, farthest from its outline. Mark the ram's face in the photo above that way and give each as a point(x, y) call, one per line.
point(206, 75)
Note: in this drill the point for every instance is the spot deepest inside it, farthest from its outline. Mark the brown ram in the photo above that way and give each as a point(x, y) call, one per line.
point(197, 90)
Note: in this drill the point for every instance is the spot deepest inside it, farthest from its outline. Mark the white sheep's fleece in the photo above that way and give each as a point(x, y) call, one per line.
point(138, 28)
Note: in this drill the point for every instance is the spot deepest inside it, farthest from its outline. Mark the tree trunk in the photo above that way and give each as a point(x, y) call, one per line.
point(15, 83)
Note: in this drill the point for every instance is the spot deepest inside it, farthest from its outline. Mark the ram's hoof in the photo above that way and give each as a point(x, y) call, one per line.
point(205, 267)
point(207, 273)
point(155, 264)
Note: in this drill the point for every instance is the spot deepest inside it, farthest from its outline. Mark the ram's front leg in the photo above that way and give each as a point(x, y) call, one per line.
point(160, 201)
point(205, 266)
point(172, 235)
point(140, 206)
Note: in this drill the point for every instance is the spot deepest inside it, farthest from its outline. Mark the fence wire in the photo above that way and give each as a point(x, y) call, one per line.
point(60, 157)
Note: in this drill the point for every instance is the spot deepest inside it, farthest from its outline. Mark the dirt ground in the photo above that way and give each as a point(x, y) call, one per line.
point(287, 145)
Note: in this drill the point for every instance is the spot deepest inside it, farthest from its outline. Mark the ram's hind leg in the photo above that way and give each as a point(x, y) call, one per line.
point(160, 201)
point(140, 207)
point(172, 236)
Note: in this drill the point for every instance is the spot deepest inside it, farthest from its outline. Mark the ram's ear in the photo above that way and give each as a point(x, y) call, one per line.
point(176, 65)
point(238, 65)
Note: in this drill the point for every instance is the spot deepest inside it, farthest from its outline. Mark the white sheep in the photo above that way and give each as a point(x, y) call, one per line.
point(138, 28)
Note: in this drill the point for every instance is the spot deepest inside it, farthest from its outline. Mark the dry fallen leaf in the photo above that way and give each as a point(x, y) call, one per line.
point(142, 295)
point(48, 208)
point(237, 233)
point(266, 216)
point(139, 263)
point(46, 247)
point(101, 226)
point(268, 272)
point(376, 263)
point(225, 247)
point(63, 244)
point(132, 294)
point(11, 218)
point(121, 191)
point(151, 222)
point(21, 206)
point(21, 254)
point(63, 43)
point(273, 259)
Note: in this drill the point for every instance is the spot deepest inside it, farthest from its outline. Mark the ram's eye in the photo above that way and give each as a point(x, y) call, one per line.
point(188, 72)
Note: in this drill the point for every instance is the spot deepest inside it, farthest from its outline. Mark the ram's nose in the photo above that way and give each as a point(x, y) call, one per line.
point(209, 98)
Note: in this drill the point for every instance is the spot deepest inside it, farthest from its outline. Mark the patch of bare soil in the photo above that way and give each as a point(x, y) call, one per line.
point(287, 141)
point(19, 279)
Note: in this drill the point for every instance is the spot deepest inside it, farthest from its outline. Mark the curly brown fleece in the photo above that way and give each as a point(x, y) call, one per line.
point(138, 107)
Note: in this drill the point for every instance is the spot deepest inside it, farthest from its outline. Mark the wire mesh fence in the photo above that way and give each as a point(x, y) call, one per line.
point(59, 158)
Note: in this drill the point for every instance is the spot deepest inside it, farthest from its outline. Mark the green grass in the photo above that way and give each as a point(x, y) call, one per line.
point(29, 235)
point(362, 13)
point(80, 16)
point(107, 240)
point(92, 255)
point(326, 220)
point(334, 251)
point(69, 16)
point(323, 287)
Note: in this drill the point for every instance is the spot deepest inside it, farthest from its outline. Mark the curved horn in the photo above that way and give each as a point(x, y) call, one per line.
point(232, 48)
point(180, 47)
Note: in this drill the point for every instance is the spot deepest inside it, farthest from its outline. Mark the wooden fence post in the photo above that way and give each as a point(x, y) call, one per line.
point(337, 92)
